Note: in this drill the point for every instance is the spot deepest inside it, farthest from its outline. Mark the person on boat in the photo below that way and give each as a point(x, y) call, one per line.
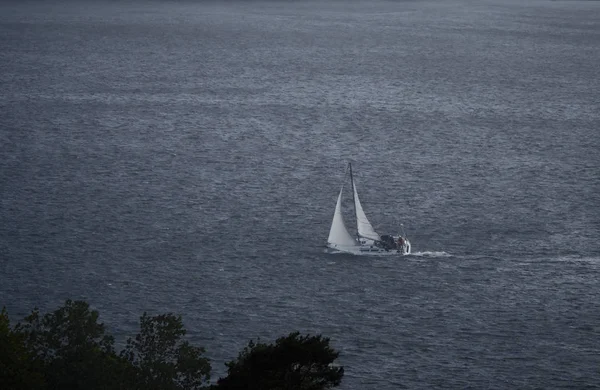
point(400, 242)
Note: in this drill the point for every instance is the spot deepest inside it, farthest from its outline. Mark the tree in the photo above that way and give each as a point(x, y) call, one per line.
point(71, 349)
point(293, 362)
point(18, 369)
point(163, 361)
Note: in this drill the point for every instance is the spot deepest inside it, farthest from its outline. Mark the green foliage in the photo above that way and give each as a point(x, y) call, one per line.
point(293, 362)
point(162, 359)
point(69, 349)
point(70, 329)
point(72, 350)
point(18, 366)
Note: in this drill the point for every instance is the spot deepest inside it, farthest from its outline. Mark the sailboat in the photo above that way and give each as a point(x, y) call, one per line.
point(367, 241)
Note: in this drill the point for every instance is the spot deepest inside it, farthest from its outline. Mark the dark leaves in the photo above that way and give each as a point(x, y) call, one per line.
point(69, 349)
point(293, 362)
point(162, 359)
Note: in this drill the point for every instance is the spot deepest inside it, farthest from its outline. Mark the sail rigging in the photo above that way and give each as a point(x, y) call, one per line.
point(338, 234)
point(366, 240)
point(364, 227)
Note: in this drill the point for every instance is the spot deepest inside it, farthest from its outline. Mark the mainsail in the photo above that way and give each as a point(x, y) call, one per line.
point(338, 234)
point(365, 229)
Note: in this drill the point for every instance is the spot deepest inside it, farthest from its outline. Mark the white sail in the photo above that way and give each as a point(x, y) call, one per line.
point(338, 234)
point(365, 229)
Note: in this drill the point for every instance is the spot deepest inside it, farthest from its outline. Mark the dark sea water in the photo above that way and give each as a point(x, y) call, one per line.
point(186, 157)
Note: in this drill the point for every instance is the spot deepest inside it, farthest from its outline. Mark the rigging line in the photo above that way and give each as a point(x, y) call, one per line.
point(354, 200)
point(361, 128)
point(345, 174)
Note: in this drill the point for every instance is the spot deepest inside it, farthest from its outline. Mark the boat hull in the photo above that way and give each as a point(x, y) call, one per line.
point(369, 249)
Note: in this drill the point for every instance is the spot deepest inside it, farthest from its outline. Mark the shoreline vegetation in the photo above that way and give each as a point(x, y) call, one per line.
point(69, 349)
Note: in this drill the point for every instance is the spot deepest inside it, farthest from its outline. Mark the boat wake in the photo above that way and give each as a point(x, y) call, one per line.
point(568, 258)
point(431, 254)
point(425, 254)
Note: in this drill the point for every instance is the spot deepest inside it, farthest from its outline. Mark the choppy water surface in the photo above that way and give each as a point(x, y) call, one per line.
point(186, 157)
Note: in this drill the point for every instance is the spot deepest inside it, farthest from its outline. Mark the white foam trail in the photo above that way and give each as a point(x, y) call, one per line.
point(389, 254)
point(585, 259)
point(431, 254)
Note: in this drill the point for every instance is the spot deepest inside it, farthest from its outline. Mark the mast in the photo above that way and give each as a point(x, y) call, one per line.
point(354, 201)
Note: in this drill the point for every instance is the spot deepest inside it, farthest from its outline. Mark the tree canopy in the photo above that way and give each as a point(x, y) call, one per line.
point(293, 362)
point(69, 349)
